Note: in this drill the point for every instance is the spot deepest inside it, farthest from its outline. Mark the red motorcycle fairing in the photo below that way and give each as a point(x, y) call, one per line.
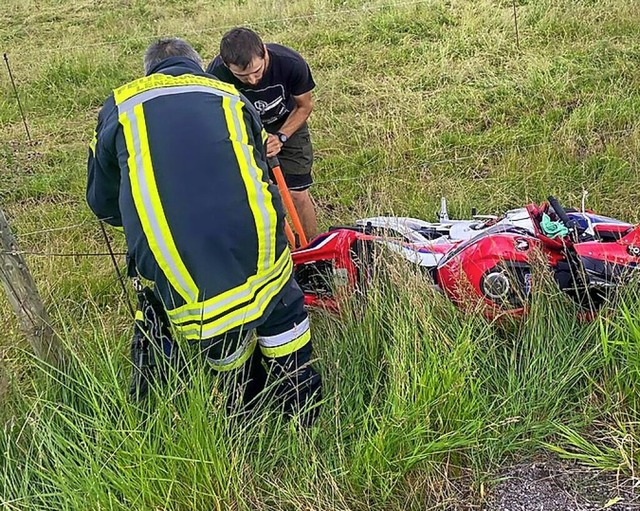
point(327, 264)
point(607, 263)
point(491, 269)
point(342, 260)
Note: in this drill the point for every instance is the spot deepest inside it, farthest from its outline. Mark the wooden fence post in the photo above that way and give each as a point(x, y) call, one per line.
point(24, 298)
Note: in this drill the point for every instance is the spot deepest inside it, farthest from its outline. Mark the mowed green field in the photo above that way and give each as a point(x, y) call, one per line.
point(414, 100)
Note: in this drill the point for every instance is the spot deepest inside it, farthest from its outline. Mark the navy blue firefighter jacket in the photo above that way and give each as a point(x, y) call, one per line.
point(178, 161)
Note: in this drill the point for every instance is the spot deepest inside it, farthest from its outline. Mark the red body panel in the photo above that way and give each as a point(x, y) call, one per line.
point(491, 269)
point(461, 274)
point(329, 256)
point(623, 252)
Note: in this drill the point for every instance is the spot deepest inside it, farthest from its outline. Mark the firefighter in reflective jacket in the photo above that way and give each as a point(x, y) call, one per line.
point(178, 161)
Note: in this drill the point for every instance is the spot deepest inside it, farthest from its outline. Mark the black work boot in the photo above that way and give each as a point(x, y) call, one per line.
point(299, 386)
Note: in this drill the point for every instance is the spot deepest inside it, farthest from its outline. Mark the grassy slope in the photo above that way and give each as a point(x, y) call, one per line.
point(413, 101)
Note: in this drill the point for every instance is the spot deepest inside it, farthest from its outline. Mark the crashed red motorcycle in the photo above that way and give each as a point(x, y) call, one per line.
point(486, 260)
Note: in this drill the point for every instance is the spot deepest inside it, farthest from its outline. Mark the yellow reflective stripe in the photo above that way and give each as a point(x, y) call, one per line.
point(230, 299)
point(159, 80)
point(156, 207)
point(261, 188)
point(239, 140)
point(288, 348)
point(149, 207)
point(258, 191)
point(94, 141)
point(264, 136)
point(221, 366)
point(139, 316)
point(238, 317)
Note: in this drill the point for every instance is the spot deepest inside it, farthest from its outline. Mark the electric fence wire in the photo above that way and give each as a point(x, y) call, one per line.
point(59, 254)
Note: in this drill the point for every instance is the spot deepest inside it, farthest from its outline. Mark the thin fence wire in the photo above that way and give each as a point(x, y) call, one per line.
point(389, 172)
point(59, 254)
point(57, 229)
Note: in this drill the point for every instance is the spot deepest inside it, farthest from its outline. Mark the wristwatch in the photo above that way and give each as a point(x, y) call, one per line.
point(282, 137)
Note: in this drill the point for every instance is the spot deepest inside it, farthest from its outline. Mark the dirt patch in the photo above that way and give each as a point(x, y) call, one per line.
point(557, 486)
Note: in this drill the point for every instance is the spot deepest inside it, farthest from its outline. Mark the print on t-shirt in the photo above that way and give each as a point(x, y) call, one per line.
point(287, 76)
point(272, 104)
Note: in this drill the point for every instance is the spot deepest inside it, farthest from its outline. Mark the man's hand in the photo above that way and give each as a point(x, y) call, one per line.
point(273, 145)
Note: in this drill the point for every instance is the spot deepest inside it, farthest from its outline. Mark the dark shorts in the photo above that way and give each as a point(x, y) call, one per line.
point(296, 160)
point(298, 182)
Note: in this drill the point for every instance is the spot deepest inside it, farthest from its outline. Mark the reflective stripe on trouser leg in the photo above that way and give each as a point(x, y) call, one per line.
point(285, 343)
point(238, 357)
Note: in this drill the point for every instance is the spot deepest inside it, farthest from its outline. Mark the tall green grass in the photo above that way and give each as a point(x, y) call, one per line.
point(418, 397)
point(414, 100)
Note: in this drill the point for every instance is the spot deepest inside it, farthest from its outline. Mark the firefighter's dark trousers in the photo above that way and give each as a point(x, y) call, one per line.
point(269, 363)
point(272, 362)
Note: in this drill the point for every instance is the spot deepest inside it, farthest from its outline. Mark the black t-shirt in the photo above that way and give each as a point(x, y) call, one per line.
point(288, 75)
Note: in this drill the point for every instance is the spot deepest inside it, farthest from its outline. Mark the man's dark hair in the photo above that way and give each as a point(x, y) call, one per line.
point(239, 46)
point(168, 47)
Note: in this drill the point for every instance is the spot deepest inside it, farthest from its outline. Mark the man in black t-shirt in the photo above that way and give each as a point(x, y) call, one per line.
point(278, 82)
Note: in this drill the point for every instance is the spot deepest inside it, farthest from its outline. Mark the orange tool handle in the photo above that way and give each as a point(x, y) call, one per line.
point(288, 203)
point(289, 233)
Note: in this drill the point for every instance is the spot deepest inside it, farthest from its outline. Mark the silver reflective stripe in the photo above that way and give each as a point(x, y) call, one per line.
point(235, 318)
point(168, 91)
point(149, 210)
point(244, 345)
point(273, 341)
point(259, 187)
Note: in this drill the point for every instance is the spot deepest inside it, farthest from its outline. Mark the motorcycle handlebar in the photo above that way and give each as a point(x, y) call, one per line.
point(562, 214)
